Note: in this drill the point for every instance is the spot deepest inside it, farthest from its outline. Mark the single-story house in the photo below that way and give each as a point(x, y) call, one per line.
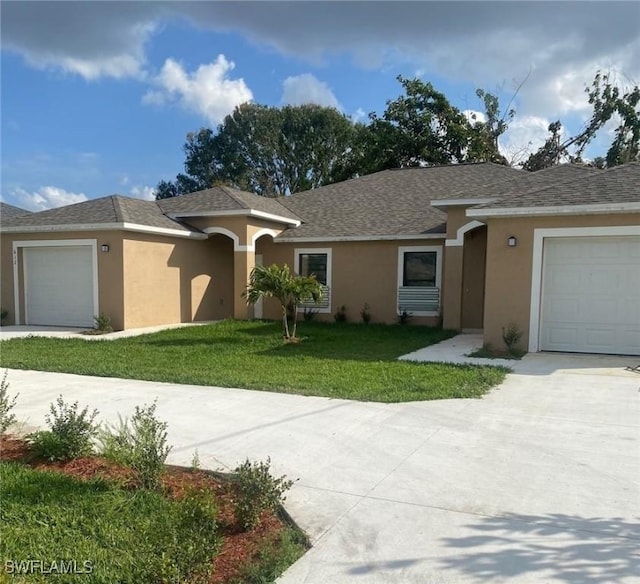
point(471, 246)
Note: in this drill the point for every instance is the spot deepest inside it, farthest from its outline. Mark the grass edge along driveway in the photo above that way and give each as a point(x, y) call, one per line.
point(337, 360)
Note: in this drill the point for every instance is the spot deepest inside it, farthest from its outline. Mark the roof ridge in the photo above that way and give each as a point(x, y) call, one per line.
point(117, 208)
point(315, 190)
point(446, 165)
point(577, 165)
point(590, 172)
point(231, 195)
point(568, 181)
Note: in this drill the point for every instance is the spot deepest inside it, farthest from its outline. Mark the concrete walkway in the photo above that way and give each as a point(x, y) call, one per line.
point(537, 482)
point(65, 332)
point(456, 350)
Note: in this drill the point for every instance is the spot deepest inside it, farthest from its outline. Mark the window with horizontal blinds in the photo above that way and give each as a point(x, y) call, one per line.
point(419, 268)
point(313, 264)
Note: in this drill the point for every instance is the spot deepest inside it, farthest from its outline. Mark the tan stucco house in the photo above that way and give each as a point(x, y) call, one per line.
point(471, 246)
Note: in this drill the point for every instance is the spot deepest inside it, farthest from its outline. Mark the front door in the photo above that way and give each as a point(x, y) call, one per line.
point(475, 251)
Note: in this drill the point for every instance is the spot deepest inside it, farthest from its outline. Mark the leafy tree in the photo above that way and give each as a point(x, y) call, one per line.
point(289, 289)
point(551, 152)
point(609, 103)
point(202, 166)
point(268, 150)
point(422, 128)
point(484, 135)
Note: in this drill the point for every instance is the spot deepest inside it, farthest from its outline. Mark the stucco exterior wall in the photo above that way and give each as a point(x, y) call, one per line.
point(110, 284)
point(362, 272)
point(170, 280)
point(509, 269)
point(244, 227)
point(456, 218)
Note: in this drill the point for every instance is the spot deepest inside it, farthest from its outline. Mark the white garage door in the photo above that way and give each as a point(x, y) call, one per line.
point(59, 285)
point(591, 295)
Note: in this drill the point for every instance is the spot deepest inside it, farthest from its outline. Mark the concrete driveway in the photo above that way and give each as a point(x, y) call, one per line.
point(539, 481)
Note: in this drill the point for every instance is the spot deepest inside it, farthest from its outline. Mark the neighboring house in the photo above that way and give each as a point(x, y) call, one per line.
point(474, 246)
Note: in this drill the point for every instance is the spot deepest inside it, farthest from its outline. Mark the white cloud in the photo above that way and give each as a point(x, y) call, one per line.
point(47, 198)
point(525, 135)
point(118, 67)
point(207, 91)
point(143, 192)
point(493, 44)
point(474, 116)
point(307, 88)
point(359, 116)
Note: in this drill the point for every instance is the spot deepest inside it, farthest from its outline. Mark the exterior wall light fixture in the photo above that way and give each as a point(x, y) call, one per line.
point(512, 241)
point(105, 247)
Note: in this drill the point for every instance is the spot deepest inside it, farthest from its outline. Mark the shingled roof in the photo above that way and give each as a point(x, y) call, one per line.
point(7, 211)
point(223, 198)
point(617, 185)
point(106, 210)
point(387, 203)
point(524, 181)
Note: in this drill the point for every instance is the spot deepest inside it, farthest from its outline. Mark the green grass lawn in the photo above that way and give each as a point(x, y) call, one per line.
point(56, 518)
point(97, 532)
point(350, 361)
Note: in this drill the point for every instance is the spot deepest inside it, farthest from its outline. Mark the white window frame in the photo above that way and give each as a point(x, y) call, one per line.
point(93, 243)
point(316, 250)
point(420, 248)
point(537, 265)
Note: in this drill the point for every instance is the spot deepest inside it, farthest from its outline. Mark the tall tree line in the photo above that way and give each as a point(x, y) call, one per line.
point(274, 151)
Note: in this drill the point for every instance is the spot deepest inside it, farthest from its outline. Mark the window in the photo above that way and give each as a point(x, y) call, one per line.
point(419, 280)
point(313, 264)
point(419, 268)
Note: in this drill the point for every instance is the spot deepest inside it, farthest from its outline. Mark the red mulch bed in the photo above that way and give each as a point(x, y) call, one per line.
point(239, 547)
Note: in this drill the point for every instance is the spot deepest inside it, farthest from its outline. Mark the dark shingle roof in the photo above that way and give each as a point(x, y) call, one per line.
point(620, 184)
point(111, 209)
point(223, 198)
point(387, 203)
point(525, 181)
point(7, 211)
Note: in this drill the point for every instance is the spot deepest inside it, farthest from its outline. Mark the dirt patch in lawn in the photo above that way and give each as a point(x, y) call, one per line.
point(239, 549)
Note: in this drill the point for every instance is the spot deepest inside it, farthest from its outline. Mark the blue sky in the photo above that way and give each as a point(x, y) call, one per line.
point(97, 97)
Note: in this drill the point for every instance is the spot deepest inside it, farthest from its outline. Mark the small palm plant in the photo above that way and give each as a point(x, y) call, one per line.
point(289, 289)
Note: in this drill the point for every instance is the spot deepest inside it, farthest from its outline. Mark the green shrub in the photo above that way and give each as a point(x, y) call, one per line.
point(365, 313)
point(103, 323)
point(341, 314)
point(4, 313)
point(258, 491)
point(404, 317)
point(511, 336)
point(192, 533)
point(6, 405)
point(70, 432)
point(309, 314)
point(49, 446)
point(195, 460)
point(115, 441)
point(141, 444)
